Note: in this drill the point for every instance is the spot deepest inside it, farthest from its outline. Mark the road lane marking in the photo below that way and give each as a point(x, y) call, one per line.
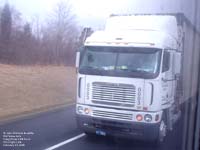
point(66, 142)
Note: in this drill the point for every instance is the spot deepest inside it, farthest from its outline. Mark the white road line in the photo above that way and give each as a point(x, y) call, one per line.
point(66, 142)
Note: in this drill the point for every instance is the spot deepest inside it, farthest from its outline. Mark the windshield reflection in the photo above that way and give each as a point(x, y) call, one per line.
point(121, 61)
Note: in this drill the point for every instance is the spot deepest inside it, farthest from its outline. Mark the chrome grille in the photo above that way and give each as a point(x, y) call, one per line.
point(113, 94)
point(112, 115)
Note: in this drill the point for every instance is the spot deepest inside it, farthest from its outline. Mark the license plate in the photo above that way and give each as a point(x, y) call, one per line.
point(102, 133)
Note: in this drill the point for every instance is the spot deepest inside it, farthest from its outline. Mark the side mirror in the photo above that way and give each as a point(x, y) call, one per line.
point(77, 59)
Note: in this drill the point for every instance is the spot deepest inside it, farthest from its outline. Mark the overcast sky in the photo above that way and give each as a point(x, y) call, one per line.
point(89, 11)
point(82, 8)
point(95, 7)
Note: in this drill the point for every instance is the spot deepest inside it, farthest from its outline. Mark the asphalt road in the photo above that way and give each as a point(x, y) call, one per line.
point(58, 128)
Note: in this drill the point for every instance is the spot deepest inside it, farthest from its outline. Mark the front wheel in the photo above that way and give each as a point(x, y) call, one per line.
point(90, 134)
point(162, 131)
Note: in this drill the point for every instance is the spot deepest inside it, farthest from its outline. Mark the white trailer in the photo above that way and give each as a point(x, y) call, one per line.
point(134, 76)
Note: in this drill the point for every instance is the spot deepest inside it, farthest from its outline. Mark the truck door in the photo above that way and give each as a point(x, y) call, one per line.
point(168, 80)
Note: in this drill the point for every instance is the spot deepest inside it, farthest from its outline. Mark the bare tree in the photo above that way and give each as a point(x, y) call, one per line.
point(33, 43)
point(37, 27)
point(86, 32)
point(61, 32)
point(6, 24)
point(6, 27)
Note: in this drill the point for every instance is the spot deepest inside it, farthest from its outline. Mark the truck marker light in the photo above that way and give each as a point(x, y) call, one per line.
point(157, 117)
point(152, 44)
point(145, 108)
point(119, 39)
point(139, 117)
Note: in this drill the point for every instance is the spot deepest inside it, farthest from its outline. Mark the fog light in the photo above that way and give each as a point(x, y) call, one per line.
point(87, 110)
point(148, 118)
point(80, 109)
point(139, 117)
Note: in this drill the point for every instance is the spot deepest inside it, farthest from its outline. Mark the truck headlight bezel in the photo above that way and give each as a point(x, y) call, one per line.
point(80, 109)
point(87, 111)
point(148, 118)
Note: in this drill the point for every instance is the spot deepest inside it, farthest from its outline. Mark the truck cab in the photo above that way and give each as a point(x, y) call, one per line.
point(127, 78)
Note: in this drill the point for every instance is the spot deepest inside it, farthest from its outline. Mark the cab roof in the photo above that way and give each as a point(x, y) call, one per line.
point(163, 23)
point(138, 30)
point(132, 38)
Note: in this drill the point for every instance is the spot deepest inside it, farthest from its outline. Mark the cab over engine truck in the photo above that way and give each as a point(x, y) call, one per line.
point(134, 77)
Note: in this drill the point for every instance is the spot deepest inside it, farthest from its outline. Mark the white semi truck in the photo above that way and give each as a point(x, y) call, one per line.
point(135, 76)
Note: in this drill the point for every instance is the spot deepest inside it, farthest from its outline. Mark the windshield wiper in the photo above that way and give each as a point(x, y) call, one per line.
point(92, 69)
point(89, 67)
point(134, 70)
point(140, 71)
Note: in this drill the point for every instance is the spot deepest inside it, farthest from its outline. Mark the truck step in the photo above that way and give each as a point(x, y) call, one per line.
point(176, 117)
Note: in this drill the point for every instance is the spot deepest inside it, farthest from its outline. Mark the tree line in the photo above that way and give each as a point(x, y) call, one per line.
point(29, 43)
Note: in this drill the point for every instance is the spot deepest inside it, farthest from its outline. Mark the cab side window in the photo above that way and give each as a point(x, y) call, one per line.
point(166, 62)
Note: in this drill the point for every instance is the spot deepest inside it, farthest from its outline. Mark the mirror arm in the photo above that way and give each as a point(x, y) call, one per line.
point(165, 80)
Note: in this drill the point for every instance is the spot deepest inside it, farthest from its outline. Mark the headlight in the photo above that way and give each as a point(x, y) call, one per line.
point(87, 111)
point(80, 109)
point(148, 118)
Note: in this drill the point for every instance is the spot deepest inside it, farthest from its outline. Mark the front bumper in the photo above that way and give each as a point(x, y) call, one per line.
point(125, 129)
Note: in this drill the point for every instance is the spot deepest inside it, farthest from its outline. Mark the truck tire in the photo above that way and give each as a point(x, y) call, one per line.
point(90, 134)
point(162, 131)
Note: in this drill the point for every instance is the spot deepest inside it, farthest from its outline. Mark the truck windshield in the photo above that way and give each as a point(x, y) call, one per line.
point(121, 61)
